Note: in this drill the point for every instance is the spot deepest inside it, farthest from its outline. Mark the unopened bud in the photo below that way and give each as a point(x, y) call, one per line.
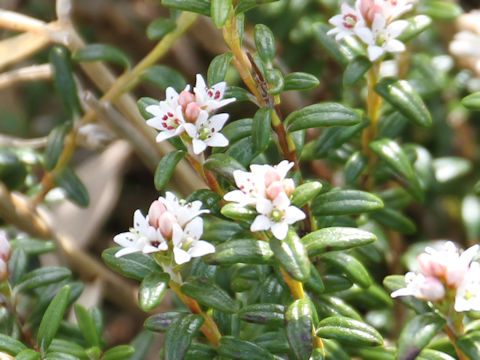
point(192, 111)
point(368, 8)
point(432, 289)
point(271, 176)
point(165, 224)
point(274, 189)
point(185, 98)
point(430, 266)
point(155, 212)
point(288, 186)
point(5, 248)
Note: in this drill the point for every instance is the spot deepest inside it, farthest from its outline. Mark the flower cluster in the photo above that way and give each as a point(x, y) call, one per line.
point(268, 190)
point(5, 252)
point(171, 225)
point(373, 22)
point(446, 271)
point(191, 113)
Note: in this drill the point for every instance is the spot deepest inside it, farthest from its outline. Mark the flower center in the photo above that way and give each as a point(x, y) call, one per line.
point(276, 215)
point(187, 242)
point(204, 133)
point(170, 121)
point(349, 20)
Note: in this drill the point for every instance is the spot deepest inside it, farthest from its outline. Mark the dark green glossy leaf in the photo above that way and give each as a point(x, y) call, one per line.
point(41, 277)
point(292, 256)
point(55, 144)
point(87, 326)
point(305, 193)
point(355, 70)
point(469, 344)
point(218, 68)
point(161, 322)
point(238, 129)
point(67, 347)
point(219, 10)
point(166, 167)
point(232, 347)
point(237, 212)
point(52, 318)
point(180, 334)
point(141, 343)
point(28, 354)
point(267, 314)
point(321, 115)
point(350, 266)
point(102, 52)
point(10, 345)
point(300, 81)
point(401, 95)
point(429, 354)
point(299, 318)
point(348, 331)
point(261, 128)
point(355, 165)
point(196, 6)
point(208, 293)
point(472, 101)
point(118, 352)
point(12, 170)
point(275, 79)
point(152, 290)
point(264, 42)
point(417, 333)
point(224, 165)
point(198, 351)
point(395, 220)
point(345, 202)
point(160, 27)
point(73, 186)
point(241, 251)
point(134, 266)
point(33, 246)
point(243, 151)
point(164, 77)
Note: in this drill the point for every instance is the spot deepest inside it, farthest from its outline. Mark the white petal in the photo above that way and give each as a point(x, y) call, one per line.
point(181, 256)
point(283, 168)
point(126, 239)
point(374, 52)
point(216, 122)
point(280, 230)
point(394, 45)
point(126, 251)
point(294, 214)
point(156, 123)
point(171, 94)
point(191, 130)
point(337, 21)
point(198, 146)
point(200, 84)
point(468, 255)
point(164, 135)
point(261, 222)
point(154, 110)
point(264, 206)
point(177, 235)
point(379, 22)
point(217, 140)
point(224, 102)
point(397, 27)
point(201, 248)
point(365, 34)
point(221, 86)
point(194, 228)
point(235, 196)
point(402, 292)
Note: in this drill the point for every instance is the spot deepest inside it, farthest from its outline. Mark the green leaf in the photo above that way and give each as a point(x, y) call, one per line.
point(142, 104)
point(73, 186)
point(141, 343)
point(266, 314)
point(275, 79)
point(10, 345)
point(305, 193)
point(429, 354)
point(395, 282)
point(442, 10)
point(292, 256)
point(240, 94)
point(64, 83)
point(219, 10)
point(395, 220)
point(196, 6)
point(67, 347)
point(327, 305)
point(336, 238)
point(180, 334)
point(224, 165)
point(198, 351)
point(164, 77)
point(300, 81)
point(166, 167)
point(55, 144)
point(329, 43)
point(102, 52)
point(264, 42)
point(118, 352)
point(469, 344)
point(235, 348)
point(450, 168)
point(261, 128)
point(87, 326)
point(348, 331)
point(389, 151)
point(355, 165)
point(321, 115)
point(12, 170)
point(243, 151)
point(210, 200)
point(208, 293)
point(28, 354)
point(152, 290)
point(472, 101)
point(238, 129)
point(41, 277)
point(350, 266)
point(61, 356)
point(160, 27)
point(218, 69)
point(52, 318)
point(345, 202)
point(401, 95)
point(161, 322)
point(241, 251)
point(299, 324)
point(355, 70)
point(417, 333)
point(33, 246)
point(237, 212)
point(134, 266)
point(416, 25)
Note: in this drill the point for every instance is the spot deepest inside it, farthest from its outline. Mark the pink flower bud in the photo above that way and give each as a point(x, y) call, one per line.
point(185, 98)
point(165, 224)
point(274, 189)
point(192, 111)
point(271, 176)
point(288, 186)
point(5, 248)
point(432, 289)
point(3, 270)
point(430, 266)
point(368, 8)
point(156, 210)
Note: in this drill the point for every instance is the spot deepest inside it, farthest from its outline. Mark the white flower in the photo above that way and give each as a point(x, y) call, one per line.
point(468, 293)
point(210, 99)
point(187, 243)
point(393, 9)
point(205, 131)
point(276, 215)
point(385, 37)
point(422, 287)
point(180, 209)
point(141, 238)
point(350, 22)
point(167, 119)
